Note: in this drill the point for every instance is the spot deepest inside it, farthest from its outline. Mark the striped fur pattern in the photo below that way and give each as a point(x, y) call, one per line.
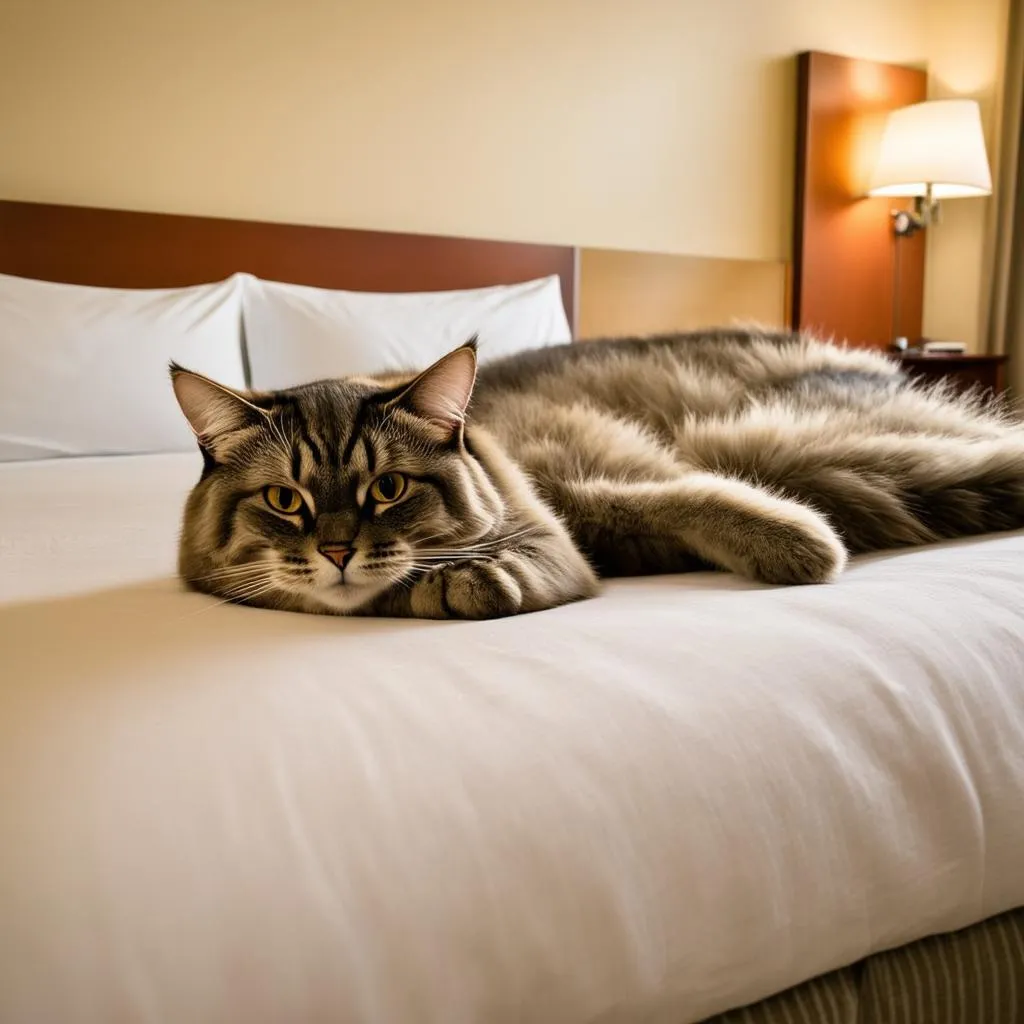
point(773, 455)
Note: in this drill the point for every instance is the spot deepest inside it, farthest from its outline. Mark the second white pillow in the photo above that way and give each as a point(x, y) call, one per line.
point(295, 333)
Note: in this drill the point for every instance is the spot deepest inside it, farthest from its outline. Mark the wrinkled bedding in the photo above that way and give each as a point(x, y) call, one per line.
point(677, 798)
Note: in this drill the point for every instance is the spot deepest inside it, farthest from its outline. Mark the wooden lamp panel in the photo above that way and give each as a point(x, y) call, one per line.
point(844, 249)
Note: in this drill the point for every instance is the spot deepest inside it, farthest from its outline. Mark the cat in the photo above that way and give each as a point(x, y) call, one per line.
point(475, 492)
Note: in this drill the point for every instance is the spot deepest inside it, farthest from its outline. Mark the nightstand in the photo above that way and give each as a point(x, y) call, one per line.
point(964, 371)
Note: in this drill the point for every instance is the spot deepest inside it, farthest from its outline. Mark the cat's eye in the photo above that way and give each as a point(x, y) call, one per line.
point(388, 488)
point(283, 499)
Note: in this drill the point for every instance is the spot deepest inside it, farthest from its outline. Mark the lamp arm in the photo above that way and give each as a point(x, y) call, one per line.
point(925, 213)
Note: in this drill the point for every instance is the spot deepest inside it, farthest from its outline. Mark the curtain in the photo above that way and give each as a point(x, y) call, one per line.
point(1006, 326)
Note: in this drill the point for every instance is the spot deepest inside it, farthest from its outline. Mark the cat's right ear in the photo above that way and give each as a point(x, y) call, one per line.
point(211, 409)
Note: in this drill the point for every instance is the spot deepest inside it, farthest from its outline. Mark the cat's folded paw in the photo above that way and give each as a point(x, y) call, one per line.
point(468, 590)
point(798, 548)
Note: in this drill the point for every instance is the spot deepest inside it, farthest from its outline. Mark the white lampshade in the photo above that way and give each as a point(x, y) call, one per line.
point(938, 143)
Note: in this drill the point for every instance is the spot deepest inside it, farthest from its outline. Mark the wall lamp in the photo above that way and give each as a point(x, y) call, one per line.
point(931, 151)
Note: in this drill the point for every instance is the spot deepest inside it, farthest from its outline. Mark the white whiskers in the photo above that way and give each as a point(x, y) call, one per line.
point(244, 588)
point(245, 568)
point(485, 550)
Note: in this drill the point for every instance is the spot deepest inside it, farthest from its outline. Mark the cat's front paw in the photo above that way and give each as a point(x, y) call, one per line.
point(468, 590)
point(796, 549)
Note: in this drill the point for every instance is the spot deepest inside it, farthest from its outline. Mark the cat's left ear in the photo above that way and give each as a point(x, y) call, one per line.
point(441, 393)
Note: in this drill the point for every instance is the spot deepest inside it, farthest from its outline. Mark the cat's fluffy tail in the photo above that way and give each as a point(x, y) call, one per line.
point(887, 490)
point(973, 487)
point(892, 491)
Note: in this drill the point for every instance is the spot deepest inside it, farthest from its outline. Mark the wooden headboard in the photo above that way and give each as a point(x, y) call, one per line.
point(123, 249)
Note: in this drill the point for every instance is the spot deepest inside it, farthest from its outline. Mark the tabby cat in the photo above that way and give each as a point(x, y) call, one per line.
point(771, 455)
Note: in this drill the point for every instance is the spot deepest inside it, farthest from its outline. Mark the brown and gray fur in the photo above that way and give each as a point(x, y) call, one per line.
point(770, 455)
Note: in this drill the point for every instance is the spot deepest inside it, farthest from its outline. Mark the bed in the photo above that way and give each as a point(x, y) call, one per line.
point(681, 798)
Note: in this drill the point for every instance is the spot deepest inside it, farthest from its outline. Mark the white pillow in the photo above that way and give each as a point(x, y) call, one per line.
point(295, 334)
point(83, 371)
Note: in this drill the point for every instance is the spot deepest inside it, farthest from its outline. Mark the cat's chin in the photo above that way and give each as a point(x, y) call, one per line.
point(346, 598)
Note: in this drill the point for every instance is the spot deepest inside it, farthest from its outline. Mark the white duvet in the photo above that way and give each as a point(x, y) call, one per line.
point(679, 797)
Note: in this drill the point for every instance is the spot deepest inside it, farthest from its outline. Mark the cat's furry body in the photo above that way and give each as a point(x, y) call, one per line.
point(772, 455)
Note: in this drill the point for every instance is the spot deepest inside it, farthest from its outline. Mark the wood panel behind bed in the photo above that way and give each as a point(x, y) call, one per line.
point(126, 249)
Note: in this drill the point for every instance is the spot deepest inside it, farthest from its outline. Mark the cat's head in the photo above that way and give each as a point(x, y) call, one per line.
point(320, 497)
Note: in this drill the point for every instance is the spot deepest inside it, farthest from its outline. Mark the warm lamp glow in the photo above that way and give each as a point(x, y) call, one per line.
point(938, 144)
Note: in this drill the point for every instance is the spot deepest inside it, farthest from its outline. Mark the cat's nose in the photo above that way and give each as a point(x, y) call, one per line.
point(339, 554)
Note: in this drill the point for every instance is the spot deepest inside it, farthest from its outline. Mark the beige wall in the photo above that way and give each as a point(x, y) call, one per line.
point(662, 125)
point(643, 124)
point(966, 43)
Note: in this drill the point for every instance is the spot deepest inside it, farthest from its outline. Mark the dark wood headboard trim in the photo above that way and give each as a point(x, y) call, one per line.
point(127, 249)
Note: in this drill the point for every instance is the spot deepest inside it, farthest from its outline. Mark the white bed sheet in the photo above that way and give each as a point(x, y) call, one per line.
point(679, 797)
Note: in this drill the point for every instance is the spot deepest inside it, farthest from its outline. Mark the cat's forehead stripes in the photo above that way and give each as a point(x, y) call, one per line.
point(305, 436)
point(317, 421)
point(370, 454)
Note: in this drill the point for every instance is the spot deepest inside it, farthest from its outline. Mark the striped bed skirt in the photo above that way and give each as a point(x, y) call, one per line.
point(974, 976)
